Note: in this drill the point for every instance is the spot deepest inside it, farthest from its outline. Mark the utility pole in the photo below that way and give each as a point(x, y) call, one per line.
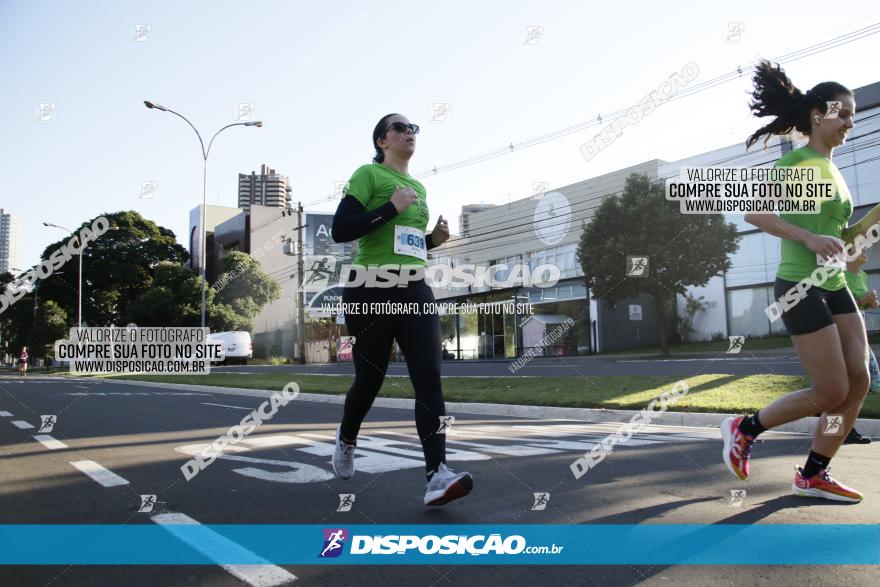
point(301, 294)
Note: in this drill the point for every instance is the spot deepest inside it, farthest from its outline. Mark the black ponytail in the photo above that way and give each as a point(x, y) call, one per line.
point(775, 95)
point(378, 133)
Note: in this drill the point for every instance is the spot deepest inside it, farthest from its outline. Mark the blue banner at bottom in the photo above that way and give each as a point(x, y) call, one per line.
point(589, 544)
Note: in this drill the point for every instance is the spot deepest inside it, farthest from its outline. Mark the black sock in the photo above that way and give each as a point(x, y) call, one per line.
point(751, 425)
point(430, 472)
point(815, 463)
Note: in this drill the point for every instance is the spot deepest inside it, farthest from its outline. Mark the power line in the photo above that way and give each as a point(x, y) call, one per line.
point(796, 55)
point(793, 56)
point(850, 148)
point(689, 91)
point(466, 241)
point(589, 207)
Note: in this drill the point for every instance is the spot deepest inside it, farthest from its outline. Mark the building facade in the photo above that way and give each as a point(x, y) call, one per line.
point(269, 235)
point(544, 229)
point(267, 188)
point(9, 241)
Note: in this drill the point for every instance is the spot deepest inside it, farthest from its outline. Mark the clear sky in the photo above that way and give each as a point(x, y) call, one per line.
point(321, 74)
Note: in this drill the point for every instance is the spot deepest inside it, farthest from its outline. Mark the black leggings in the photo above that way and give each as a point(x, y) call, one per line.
point(418, 336)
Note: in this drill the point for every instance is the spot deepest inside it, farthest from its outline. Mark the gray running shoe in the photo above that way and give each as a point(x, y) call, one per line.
point(343, 458)
point(446, 485)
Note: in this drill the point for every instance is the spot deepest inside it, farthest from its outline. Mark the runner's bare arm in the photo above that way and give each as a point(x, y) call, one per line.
point(773, 224)
point(862, 226)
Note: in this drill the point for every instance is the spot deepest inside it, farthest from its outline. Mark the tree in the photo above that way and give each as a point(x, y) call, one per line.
point(224, 318)
point(245, 278)
point(16, 324)
point(692, 307)
point(5, 322)
point(49, 326)
point(683, 250)
point(246, 290)
point(5, 279)
point(173, 298)
point(117, 267)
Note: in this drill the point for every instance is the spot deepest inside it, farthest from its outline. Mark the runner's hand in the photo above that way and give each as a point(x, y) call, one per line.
point(403, 198)
point(826, 246)
point(440, 234)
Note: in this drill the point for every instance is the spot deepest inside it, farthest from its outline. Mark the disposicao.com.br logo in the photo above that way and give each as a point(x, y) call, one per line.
point(334, 542)
point(476, 545)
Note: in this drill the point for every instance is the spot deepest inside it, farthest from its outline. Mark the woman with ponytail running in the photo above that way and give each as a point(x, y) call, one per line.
point(825, 325)
point(385, 209)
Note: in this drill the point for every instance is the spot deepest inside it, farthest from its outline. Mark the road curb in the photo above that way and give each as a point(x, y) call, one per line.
point(867, 427)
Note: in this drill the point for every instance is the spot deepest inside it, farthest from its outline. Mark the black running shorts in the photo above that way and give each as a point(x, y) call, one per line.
point(815, 311)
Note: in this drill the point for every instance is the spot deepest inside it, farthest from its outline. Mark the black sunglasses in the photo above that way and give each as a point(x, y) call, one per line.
point(402, 127)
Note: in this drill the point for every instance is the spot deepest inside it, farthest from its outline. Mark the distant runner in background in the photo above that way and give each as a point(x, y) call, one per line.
point(22, 361)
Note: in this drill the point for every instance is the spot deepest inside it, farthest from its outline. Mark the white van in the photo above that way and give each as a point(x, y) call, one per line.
point(238, 345)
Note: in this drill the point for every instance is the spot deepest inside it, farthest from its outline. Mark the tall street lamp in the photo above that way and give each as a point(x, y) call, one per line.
point(36, 286)
point(79, 306)
point(82, 249)
point(205, 152)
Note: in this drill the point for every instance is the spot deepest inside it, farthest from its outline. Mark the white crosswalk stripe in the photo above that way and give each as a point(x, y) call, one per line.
point(210, 543)
point(49, 441)
point(103, 476)
point(384, 449)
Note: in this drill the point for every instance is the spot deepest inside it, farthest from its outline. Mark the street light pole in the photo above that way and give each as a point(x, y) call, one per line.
point(36, 287)
point(82, 249)
point(205, 153)
point(79, 301)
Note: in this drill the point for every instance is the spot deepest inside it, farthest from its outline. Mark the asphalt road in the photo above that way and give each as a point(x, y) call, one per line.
point(778, 364)
point(281, 474)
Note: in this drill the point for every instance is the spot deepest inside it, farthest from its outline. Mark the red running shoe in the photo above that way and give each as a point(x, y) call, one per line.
point(737, 447)
point(822, 485)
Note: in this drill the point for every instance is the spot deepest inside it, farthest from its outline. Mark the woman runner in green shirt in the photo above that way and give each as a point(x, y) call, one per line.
point(385, 209)
point(825, 326)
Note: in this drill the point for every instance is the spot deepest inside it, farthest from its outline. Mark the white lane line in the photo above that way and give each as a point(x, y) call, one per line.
point(98, 473)
point(49, 442)
point(22, 424)
point(258, 575)
point(82, 386)
point(5, 414)
point(226, 406)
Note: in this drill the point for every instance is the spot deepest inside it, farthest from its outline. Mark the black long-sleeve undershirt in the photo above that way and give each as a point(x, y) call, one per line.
point(351, 222)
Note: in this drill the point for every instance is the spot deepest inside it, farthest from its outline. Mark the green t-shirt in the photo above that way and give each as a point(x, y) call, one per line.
point(373, 185)
point(857, 284)
point(797, 262)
